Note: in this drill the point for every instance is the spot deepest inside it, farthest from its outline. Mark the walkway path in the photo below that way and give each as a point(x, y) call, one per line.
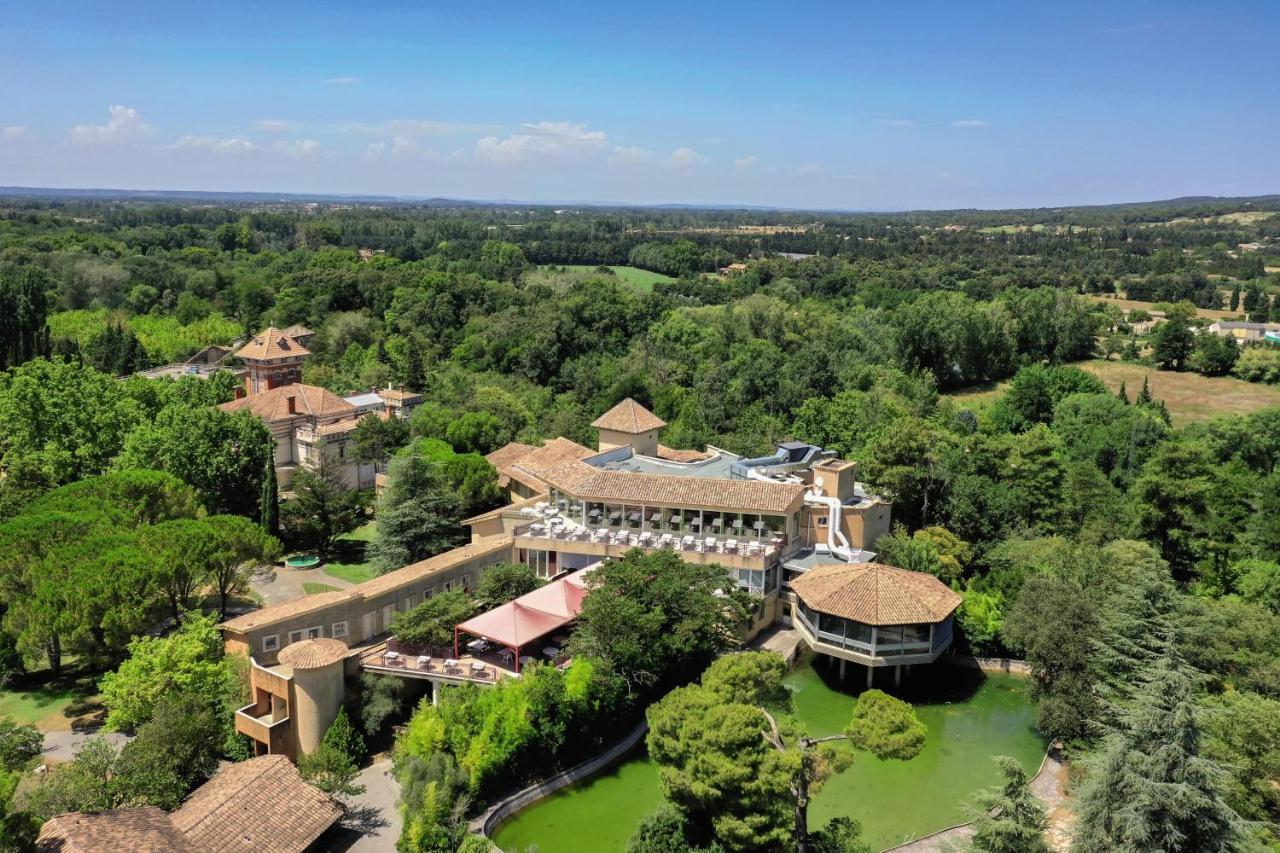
point(372, 822)
point(1050, 787)
point(279, 584)
point(785, 641)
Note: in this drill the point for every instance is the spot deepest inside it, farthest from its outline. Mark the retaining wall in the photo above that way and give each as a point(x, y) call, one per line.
point(497, 813)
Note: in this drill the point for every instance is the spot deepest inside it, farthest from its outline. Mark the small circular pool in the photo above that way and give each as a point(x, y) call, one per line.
point(303, 561)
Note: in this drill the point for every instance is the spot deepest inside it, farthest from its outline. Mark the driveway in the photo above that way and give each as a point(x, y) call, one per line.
point(372, 823)
point(63, 746)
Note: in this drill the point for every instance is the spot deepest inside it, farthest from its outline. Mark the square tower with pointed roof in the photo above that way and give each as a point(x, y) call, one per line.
point(271, 359)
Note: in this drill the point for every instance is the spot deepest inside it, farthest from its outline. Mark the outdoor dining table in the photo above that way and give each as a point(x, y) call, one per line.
point(477, 666)
point(550, 651)
point(526, 659)
point(478, 645)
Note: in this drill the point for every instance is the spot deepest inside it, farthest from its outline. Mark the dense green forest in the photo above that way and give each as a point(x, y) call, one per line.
point(1133, 563)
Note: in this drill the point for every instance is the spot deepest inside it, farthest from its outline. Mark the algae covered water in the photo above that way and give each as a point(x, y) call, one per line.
point(971, 718)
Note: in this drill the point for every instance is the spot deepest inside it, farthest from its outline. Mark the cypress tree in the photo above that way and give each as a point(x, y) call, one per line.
point(269, 503)
point(1151, 790)
point(1123, 394)
point(1144, 396)
point(1235, 297)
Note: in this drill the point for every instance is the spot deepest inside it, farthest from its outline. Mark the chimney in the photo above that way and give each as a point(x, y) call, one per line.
point(293, 405)
point(239, 392)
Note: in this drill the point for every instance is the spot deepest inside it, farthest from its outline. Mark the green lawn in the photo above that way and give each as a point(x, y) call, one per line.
point(50, 704)
point(641, 280)
point(348, 561)
point(311, 587)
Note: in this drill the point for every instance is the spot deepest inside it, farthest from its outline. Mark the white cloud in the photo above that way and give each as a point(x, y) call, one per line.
point(686, 158)
point(216, 145)
point(124, 127)
point(541, 139)
point(14, 132)
point(274, 125)
point(745, 162)
point(971, 122)
point(300, 148)
point(413, 127)
point(630, 154)
point(343, 81)
point(888, 121)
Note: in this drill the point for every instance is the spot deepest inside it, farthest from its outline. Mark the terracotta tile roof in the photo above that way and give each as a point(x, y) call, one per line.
point(400, 395)
point(338, 427)
point(368, 589)
point(273, 405)
point(432, 565)
point(297, 330)
point(257, 806)
point(527, 468)
point(629, 417)
point(584, 481)
point(144, 830)
point(313, 653)
point(271, 343)
point(672, 455)
point(287, 610)
point(511, 507)
point(504, 457)
point(875, 594)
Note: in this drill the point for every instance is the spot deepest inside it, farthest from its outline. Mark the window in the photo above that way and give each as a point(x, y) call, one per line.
point(271, 644)
point(448, 585)
point(295, 637)
point(542, 564)
point(339, 629)
point(411, 602)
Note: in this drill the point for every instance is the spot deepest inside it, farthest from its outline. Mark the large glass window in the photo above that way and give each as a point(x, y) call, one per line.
point(633, 516)
point(613, 515)
point(915, 635)
point(655, 519)
point(751, 525)
point(675, 520)
point(888, 638)
point(712, 523)
point(595, 514)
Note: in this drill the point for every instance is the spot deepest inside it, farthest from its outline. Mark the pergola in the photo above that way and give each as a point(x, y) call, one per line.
point(529, 617)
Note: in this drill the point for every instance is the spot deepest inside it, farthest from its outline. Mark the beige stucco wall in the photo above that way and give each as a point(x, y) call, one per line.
point(316, 698)
point(645, 444)
point(355, 606)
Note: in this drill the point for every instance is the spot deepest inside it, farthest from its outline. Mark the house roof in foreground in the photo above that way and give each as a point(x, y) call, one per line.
point(143, 830)
point(271, 343)
point(257, 806)
point(629, 417)
point(875, 594)
point(273, 405)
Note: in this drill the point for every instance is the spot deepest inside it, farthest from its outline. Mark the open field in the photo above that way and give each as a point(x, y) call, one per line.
point(642, 280)
point(51, 704)
point(1189, 397)
point(1239, 217)
point(349, 561)
point(1130, 304)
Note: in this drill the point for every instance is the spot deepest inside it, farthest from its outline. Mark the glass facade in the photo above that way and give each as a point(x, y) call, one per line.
point(879, 641)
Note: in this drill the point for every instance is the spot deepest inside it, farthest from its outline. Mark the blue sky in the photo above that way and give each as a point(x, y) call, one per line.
point(832, 105)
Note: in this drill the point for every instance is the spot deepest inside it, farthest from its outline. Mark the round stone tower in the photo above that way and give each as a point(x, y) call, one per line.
point(317, 688)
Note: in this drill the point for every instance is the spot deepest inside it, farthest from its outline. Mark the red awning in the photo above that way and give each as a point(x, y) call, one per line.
point(532, 615)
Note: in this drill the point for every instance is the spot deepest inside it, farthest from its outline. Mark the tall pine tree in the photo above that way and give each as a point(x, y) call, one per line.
point(1150, 790)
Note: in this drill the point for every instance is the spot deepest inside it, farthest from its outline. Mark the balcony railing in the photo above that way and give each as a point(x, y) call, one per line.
point(650, 540)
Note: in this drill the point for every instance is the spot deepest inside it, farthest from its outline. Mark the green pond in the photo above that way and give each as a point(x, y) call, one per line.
point(971, 718)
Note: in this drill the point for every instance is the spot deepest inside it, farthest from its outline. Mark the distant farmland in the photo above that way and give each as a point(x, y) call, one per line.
point(1189, 397)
